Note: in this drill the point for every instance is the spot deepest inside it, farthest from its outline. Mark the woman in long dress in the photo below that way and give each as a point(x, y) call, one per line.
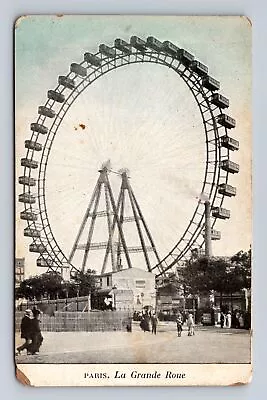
point(144, 324)
point(228, 320)
point(191, 325)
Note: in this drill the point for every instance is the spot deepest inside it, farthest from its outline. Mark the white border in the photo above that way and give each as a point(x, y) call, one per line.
point(256, 10)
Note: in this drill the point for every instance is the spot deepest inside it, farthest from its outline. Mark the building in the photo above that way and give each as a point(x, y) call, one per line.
point(19, 271)
point(170, 301)
point(130, 288)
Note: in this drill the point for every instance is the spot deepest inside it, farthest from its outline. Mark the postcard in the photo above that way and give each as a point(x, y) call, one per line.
point(133, 200)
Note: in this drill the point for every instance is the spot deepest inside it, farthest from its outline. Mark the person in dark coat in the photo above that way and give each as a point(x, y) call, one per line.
point(179, 323)
point(154, 323)
point(26, 329)
point(144, 324)
point(222, 319)
point(37, 338)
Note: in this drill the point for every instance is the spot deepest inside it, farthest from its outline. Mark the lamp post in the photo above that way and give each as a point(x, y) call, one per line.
point(66, 296)
point(89, 300)
point(77, 298)
point(114, 297)
point(142, 300)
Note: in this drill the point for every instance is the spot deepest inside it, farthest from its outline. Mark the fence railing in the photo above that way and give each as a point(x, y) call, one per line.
point(73, 304)
point(68, 304)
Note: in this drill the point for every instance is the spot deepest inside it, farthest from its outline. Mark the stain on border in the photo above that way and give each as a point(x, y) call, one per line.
point(22, 378)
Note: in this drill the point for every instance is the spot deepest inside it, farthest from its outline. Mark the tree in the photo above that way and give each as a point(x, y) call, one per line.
point(242, 258)
point(51, 285)
point(37, 286)
point(219, 274)
point(196, 276)
point(85, 282)
point(170, 286)
point(67, 289)
point(242, 267)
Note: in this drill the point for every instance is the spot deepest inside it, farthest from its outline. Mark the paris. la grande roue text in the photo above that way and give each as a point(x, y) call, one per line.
point(135, 374)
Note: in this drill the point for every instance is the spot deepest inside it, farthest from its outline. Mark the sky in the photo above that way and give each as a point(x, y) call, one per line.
point(141, 117)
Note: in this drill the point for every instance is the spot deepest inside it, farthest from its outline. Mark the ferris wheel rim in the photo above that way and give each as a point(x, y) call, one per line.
point(49, 103)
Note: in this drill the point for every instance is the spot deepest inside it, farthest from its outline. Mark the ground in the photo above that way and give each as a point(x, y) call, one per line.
point(209, 345)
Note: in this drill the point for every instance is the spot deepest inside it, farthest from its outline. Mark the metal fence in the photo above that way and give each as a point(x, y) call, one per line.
point(68, 304)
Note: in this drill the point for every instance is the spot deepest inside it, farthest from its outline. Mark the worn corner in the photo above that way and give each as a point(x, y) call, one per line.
point(19, 20)
point(247, 20)
point(22, 378)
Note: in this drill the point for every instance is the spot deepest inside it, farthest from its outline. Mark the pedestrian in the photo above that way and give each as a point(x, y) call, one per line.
point(228, 320)
point(147, 322)
point(190, 324)
point(247, 320)
point(222, 319)
point(37, 338)
point(241, 321)
point(154, 323)
point(179, 323)
point(234, 319)
point(144, 324)
point(26, 329)
point(237, 320)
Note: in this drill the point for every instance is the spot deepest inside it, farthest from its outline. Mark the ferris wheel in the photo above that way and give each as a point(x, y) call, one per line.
point(218, 145)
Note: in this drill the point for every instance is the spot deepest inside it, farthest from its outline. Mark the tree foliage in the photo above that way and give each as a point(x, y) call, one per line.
point(171, 285)
point(51, 285)
point(242, 267)
point(85, 282)
point(219, 274)
point(203, 275)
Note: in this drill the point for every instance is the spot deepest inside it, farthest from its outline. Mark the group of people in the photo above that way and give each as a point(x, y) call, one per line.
point(226, 319)
point(189, 322)
point(232, 320)
point(31, 332)
point(148, 319)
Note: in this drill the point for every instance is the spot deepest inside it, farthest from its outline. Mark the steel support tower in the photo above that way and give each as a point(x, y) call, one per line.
point(116, 246)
